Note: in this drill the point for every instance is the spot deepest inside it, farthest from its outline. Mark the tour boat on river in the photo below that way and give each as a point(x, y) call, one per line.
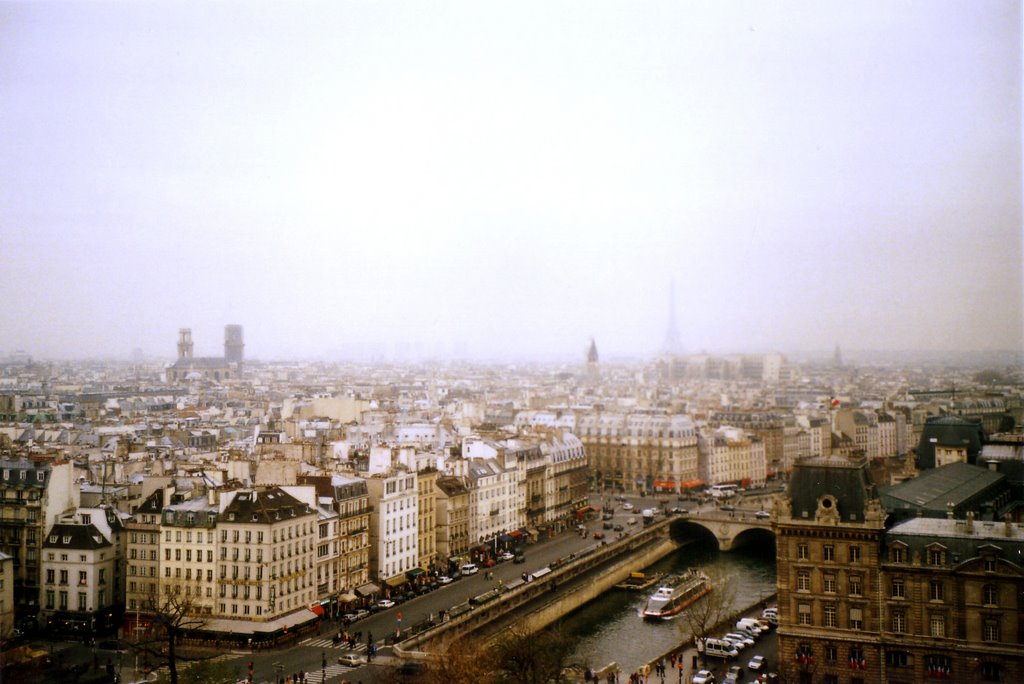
point(675, 593)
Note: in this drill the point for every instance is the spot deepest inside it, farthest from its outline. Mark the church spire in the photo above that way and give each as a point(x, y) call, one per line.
point(672, 344)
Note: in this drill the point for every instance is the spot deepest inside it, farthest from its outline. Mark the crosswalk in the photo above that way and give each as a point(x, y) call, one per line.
point(329, 643)
point(326, 675)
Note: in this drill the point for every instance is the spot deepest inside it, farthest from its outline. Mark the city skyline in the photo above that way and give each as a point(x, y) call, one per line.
point(390, 181)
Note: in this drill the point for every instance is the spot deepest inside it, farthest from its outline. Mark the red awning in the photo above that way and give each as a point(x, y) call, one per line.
point(665, 484)
point(690, 484)
point(317, 608)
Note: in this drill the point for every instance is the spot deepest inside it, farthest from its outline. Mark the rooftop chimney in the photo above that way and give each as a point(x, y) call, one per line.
point(970, 521)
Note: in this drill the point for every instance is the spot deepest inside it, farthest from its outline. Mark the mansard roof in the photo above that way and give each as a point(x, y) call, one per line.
point(75, 536)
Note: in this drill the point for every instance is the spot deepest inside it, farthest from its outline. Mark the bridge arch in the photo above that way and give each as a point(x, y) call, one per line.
point(726, 532)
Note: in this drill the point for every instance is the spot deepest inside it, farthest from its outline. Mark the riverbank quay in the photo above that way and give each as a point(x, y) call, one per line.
point(685, 657)
point(533, 604)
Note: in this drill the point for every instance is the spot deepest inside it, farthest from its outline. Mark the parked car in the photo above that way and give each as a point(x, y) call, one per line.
point(444, 579)
point(703, 677)
point(384, 604)
point(741, 640)
point(756, 663)
point(350, 660)
point(507, 556)
point(469, 569)
point(619, 528)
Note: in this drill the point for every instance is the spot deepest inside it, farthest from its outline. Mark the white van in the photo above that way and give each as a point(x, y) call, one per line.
point(469, 569)
point(719, 648)
point(749, 625)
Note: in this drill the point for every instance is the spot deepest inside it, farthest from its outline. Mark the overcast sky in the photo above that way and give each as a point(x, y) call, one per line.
point(506, 180)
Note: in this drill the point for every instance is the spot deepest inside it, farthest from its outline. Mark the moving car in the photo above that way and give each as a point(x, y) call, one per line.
point(599, 535)
point(703, 677)
point(350, 659)
point(520, 558)
point(756, 663)
point(627, 506)
point(507, 556)
point(384, 604)
point(735, 674)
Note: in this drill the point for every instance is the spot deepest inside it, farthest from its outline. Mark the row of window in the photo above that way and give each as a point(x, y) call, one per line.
point(62, 600)
point(83, 576)
point(935, 665)
point(828, 553)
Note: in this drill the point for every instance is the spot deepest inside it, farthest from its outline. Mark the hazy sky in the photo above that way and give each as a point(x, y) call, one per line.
point(504, 180)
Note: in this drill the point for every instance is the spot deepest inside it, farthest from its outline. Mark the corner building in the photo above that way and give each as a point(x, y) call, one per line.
point(829, 536)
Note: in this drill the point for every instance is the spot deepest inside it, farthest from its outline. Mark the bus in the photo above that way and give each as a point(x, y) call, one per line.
point(722, 491)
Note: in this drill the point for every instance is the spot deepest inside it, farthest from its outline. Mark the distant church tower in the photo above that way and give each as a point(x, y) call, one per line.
point(185, 343)
point(234, 346)
point(593, 371)
point(837, 358)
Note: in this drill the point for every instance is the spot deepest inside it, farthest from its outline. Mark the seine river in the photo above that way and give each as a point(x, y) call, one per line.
point(610, 628)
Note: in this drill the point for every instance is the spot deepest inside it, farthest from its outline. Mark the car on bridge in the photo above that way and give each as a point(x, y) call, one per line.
point(350, 660)
point(762, 515)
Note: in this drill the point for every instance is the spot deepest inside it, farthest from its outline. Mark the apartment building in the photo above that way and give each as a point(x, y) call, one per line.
point(394, 505)
point(452, 502)
point(34, 492)
point(639, 452)
point(143, 558)
point(426, 517)
point(78, 570)
point(189, 564)
point(267, 556)
point(729, 454)
point(6, 595)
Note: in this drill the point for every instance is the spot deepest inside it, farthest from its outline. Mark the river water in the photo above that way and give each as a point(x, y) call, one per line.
point(611, 629)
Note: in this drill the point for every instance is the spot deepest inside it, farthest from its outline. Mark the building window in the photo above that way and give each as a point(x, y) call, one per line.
point(82, 600)
point(857, 659)
point(829, 586)
point(801, 551)
point(991, 672)
point(936, 556)
point(897, 658)
point(990, 595)
point(803, 581)
point(897, 554)
point(990, 630)
point(935, 590)
point(937, 626)
point(828, 552)
point(804, 614)
point(855, 589)
point(854, 554)
point(938, 666)
point(49, 599)
point(899, 621)
point(856, 619)
point(829, 615)
point(830, 654)
point(897, 588)
point(63, 600)
point(990, 564)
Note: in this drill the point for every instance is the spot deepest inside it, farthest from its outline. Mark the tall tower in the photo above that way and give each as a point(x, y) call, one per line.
point(234, 347)
point(185, 343)
point(837, 358)
point(672, 345)
point(593, 371)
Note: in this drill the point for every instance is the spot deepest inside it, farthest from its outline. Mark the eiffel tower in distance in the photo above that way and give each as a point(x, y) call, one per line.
point(672, 346)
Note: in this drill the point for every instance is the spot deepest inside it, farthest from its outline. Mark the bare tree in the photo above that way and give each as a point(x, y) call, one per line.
point(706, 614)
point(173, 616)
point(530, 658)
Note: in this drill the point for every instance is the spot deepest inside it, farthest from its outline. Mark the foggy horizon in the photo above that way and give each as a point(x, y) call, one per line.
point(460, 181)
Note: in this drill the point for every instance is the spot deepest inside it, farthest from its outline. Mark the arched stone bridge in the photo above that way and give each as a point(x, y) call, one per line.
point(730, 529)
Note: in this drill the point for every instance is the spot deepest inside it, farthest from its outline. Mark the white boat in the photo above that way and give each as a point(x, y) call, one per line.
point(675, 593)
